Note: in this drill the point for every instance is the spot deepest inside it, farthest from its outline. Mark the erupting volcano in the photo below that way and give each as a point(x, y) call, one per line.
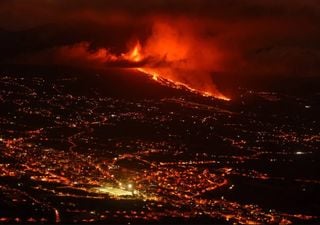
point(175, 54)
point(160, 71)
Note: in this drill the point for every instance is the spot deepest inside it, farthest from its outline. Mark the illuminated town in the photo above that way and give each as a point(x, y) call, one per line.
point(73, 157)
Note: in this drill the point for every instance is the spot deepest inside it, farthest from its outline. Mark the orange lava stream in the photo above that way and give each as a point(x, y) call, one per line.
point(178, 85)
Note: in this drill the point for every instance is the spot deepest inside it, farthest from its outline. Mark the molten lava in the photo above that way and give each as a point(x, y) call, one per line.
point(151, 69)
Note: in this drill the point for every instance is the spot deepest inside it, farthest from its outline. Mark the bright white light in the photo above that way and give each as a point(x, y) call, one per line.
point(299, 153)
point(129, 186)
point(113, 191)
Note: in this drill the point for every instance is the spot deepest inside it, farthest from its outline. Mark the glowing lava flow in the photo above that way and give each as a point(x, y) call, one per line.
point(178, 85)
point(135, 55)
